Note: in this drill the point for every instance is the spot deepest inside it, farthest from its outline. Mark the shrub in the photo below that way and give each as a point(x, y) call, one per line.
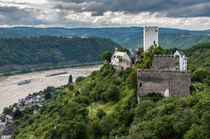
point(100, 113)
point(79, 79)
point(112, 93)
point(107, 56)
point(199, 74)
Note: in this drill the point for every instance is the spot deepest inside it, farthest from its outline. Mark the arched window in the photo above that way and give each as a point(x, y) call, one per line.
point(140, 84)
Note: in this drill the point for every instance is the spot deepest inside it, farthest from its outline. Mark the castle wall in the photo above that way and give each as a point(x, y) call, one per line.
point(161, 81)
point(166, 62)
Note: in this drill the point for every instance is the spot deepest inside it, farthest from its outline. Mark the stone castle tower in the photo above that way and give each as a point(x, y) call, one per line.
point(150, 36)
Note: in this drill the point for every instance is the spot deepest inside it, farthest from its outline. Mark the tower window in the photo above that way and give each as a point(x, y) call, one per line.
point(140, 84)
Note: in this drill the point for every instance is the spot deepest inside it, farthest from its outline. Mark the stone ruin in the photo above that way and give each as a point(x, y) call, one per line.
point(165, 78)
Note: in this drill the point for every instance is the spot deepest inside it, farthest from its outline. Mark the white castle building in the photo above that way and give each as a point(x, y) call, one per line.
point(150, 36)
point(182, 60)
point(120, 60)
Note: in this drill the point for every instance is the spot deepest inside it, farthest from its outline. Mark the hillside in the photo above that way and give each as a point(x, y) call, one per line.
point(130, 37)
point(199, 55)
point(49, 49)
point(171, 40)
point(104, 105)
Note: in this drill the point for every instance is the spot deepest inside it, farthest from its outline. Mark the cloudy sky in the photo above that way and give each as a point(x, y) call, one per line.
point(184, 14)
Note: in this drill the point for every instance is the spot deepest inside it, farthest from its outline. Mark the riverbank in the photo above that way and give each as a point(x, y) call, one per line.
point(29, 70)
point(10, 91)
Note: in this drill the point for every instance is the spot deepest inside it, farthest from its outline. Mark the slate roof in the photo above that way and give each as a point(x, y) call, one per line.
point(181, 52)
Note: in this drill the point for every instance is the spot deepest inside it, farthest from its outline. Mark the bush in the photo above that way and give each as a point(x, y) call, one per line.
point(112, 93)
point(132, 80)
point(82, 100)
point(100, 113)
point(79, 79)
point(107, 124)
point(199, 75)
point(107, 56)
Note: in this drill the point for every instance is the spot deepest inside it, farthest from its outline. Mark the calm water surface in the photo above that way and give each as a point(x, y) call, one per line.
point(10, 92)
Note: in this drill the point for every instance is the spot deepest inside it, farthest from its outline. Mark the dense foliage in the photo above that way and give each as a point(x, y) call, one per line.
point(106, 56)
point(49, 49)
point(104, 105)
point(199, 55)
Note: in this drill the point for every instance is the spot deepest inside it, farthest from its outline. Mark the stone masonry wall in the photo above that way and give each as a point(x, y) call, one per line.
point(158, 81)
point(166, 62)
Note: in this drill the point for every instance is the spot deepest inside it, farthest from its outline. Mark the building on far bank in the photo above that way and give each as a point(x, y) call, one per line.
point(120, 60)
point(150, 36)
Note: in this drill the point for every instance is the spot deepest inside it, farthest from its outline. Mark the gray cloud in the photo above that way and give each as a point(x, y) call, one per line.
point(170, 8)
point(184, 14)
point(14, 15)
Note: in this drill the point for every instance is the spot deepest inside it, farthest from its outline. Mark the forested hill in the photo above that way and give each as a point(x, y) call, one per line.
point(199, 55)
point(130, 37)
point(51, 49)
point(171, 40)
point(104, 106)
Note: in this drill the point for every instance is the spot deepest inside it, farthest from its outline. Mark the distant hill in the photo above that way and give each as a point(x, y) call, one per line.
point(130, 37)
point(49, 49)
point(171, 40)
point(199, 55)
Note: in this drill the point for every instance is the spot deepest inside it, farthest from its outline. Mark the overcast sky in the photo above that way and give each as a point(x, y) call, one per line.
point(184, 14)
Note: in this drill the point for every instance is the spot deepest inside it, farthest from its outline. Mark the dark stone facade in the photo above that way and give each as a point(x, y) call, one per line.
point(148, 81)
point(165, 78)
point(166, 62)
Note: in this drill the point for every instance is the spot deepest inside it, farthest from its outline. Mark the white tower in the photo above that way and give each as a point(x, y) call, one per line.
point(150, 36)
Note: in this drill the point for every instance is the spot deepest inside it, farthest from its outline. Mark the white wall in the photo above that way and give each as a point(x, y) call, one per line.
point(182, 61)
point(150, 35)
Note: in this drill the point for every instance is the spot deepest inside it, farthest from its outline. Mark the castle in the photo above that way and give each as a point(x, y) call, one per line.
point(168, 75)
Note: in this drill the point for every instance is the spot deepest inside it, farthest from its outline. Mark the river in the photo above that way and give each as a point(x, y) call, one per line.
point(10, 91)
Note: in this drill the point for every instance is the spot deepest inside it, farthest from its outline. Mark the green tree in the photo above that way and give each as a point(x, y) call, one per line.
point(100, 113)
point(17, 114)
point(112, 93)
point(7, 111)
point(96, 129)
point(107, 124)
point(70, 79)
point(47, 95)
point(124, 50)
point(131, 81)
point(80, 130)
point(196, 132)
point(199, 74)
point(107, 56)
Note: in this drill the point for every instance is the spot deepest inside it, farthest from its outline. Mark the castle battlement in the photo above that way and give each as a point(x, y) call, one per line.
point(162, 70)
point(151, 27)
point(165, 56)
